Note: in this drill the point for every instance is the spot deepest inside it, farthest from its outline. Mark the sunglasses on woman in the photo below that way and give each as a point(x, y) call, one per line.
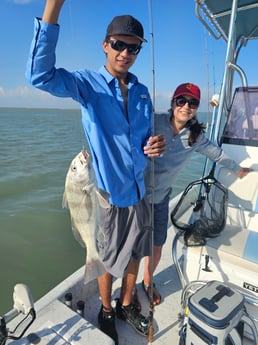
point(192, 102)
point(133, 49)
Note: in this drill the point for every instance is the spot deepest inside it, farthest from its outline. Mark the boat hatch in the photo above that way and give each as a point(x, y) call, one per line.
point(242, 122)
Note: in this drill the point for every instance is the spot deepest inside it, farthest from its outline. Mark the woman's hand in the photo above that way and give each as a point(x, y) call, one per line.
point(156, 146)
point(243, 172)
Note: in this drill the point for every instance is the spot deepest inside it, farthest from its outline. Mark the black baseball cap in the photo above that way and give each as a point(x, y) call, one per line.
point(125, 25)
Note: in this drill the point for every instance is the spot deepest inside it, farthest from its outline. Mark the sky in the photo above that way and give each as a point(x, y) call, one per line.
point(179, 49)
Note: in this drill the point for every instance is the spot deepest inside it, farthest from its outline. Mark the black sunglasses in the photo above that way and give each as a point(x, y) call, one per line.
point(192, 102)
point(132, 49)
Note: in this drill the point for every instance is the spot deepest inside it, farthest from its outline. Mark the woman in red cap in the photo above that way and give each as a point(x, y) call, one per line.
point(184, 136)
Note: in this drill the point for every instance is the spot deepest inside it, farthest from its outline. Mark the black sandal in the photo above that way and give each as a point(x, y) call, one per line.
point(156, 294)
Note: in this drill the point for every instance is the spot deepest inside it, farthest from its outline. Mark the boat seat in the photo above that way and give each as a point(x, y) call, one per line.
point(239, 243)
point(240, 238)
point(241, 235)
point(242, 193)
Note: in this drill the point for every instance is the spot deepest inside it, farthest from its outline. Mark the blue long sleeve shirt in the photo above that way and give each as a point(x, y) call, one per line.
point(177, 155)
point(116, 139)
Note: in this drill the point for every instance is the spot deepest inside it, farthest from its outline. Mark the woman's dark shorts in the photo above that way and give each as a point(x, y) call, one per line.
point(161, 221)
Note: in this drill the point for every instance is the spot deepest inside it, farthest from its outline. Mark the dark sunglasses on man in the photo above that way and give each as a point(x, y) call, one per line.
point(192, 102)
point(133, 49)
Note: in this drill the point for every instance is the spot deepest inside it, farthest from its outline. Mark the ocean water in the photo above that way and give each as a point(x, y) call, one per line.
point(37, 247)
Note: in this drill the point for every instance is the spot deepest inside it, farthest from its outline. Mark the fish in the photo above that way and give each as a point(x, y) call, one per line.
point(80, 197)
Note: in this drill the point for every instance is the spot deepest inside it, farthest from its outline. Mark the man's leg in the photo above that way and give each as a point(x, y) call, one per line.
point(105, 289)
point(128, 283)
point(106, 315)
point(127, 311)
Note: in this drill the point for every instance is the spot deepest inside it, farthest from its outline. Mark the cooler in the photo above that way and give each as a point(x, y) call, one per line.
point(215, 311)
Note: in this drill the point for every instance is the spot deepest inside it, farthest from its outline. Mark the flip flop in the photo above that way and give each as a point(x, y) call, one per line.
point(156, 294)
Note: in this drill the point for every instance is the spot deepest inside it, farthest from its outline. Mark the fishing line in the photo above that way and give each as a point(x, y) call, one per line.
point(151, 306)
point(82, 138)
point(207, 70)
point(209, 126)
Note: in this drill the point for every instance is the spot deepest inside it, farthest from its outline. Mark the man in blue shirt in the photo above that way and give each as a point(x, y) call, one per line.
point(116, 116)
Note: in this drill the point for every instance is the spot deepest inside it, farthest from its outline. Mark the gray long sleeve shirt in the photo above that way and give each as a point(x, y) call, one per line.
point(177, 154)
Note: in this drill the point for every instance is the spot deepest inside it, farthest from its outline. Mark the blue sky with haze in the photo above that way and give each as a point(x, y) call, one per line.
point(183, 50)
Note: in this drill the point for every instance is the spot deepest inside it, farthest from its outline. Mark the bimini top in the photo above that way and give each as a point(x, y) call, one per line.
point(215, 15)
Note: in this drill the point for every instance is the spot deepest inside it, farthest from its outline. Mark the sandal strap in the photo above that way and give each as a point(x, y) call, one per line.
point(156, 294)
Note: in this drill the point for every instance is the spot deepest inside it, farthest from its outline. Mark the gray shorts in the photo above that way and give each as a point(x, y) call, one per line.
point(124, 236)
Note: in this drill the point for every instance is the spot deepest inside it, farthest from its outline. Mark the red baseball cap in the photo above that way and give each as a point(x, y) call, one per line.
point(187, 89)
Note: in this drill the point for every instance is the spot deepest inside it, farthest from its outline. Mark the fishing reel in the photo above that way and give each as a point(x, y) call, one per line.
point(22, 303)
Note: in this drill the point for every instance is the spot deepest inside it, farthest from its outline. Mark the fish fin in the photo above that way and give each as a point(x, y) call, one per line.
point(93, 269)
point(64, 201)
point(88, 187)
point(102, 197)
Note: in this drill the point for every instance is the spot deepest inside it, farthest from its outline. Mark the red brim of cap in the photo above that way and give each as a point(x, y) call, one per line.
point(185, 93)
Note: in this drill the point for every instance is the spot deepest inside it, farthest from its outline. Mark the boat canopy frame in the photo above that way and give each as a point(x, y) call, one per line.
point(236, 22)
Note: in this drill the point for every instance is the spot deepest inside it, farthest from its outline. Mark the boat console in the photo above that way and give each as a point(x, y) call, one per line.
point(242, 121)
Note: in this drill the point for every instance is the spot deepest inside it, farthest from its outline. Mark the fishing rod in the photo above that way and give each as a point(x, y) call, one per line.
point(151, 305)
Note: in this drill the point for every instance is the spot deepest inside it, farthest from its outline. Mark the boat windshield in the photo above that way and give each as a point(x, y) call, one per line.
point(242, 122)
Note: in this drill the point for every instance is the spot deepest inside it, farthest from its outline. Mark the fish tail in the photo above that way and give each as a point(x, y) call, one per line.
point(93, 269)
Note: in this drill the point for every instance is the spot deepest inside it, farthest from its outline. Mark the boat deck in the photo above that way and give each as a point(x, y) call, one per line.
point(58, 324)
point(165, 317)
